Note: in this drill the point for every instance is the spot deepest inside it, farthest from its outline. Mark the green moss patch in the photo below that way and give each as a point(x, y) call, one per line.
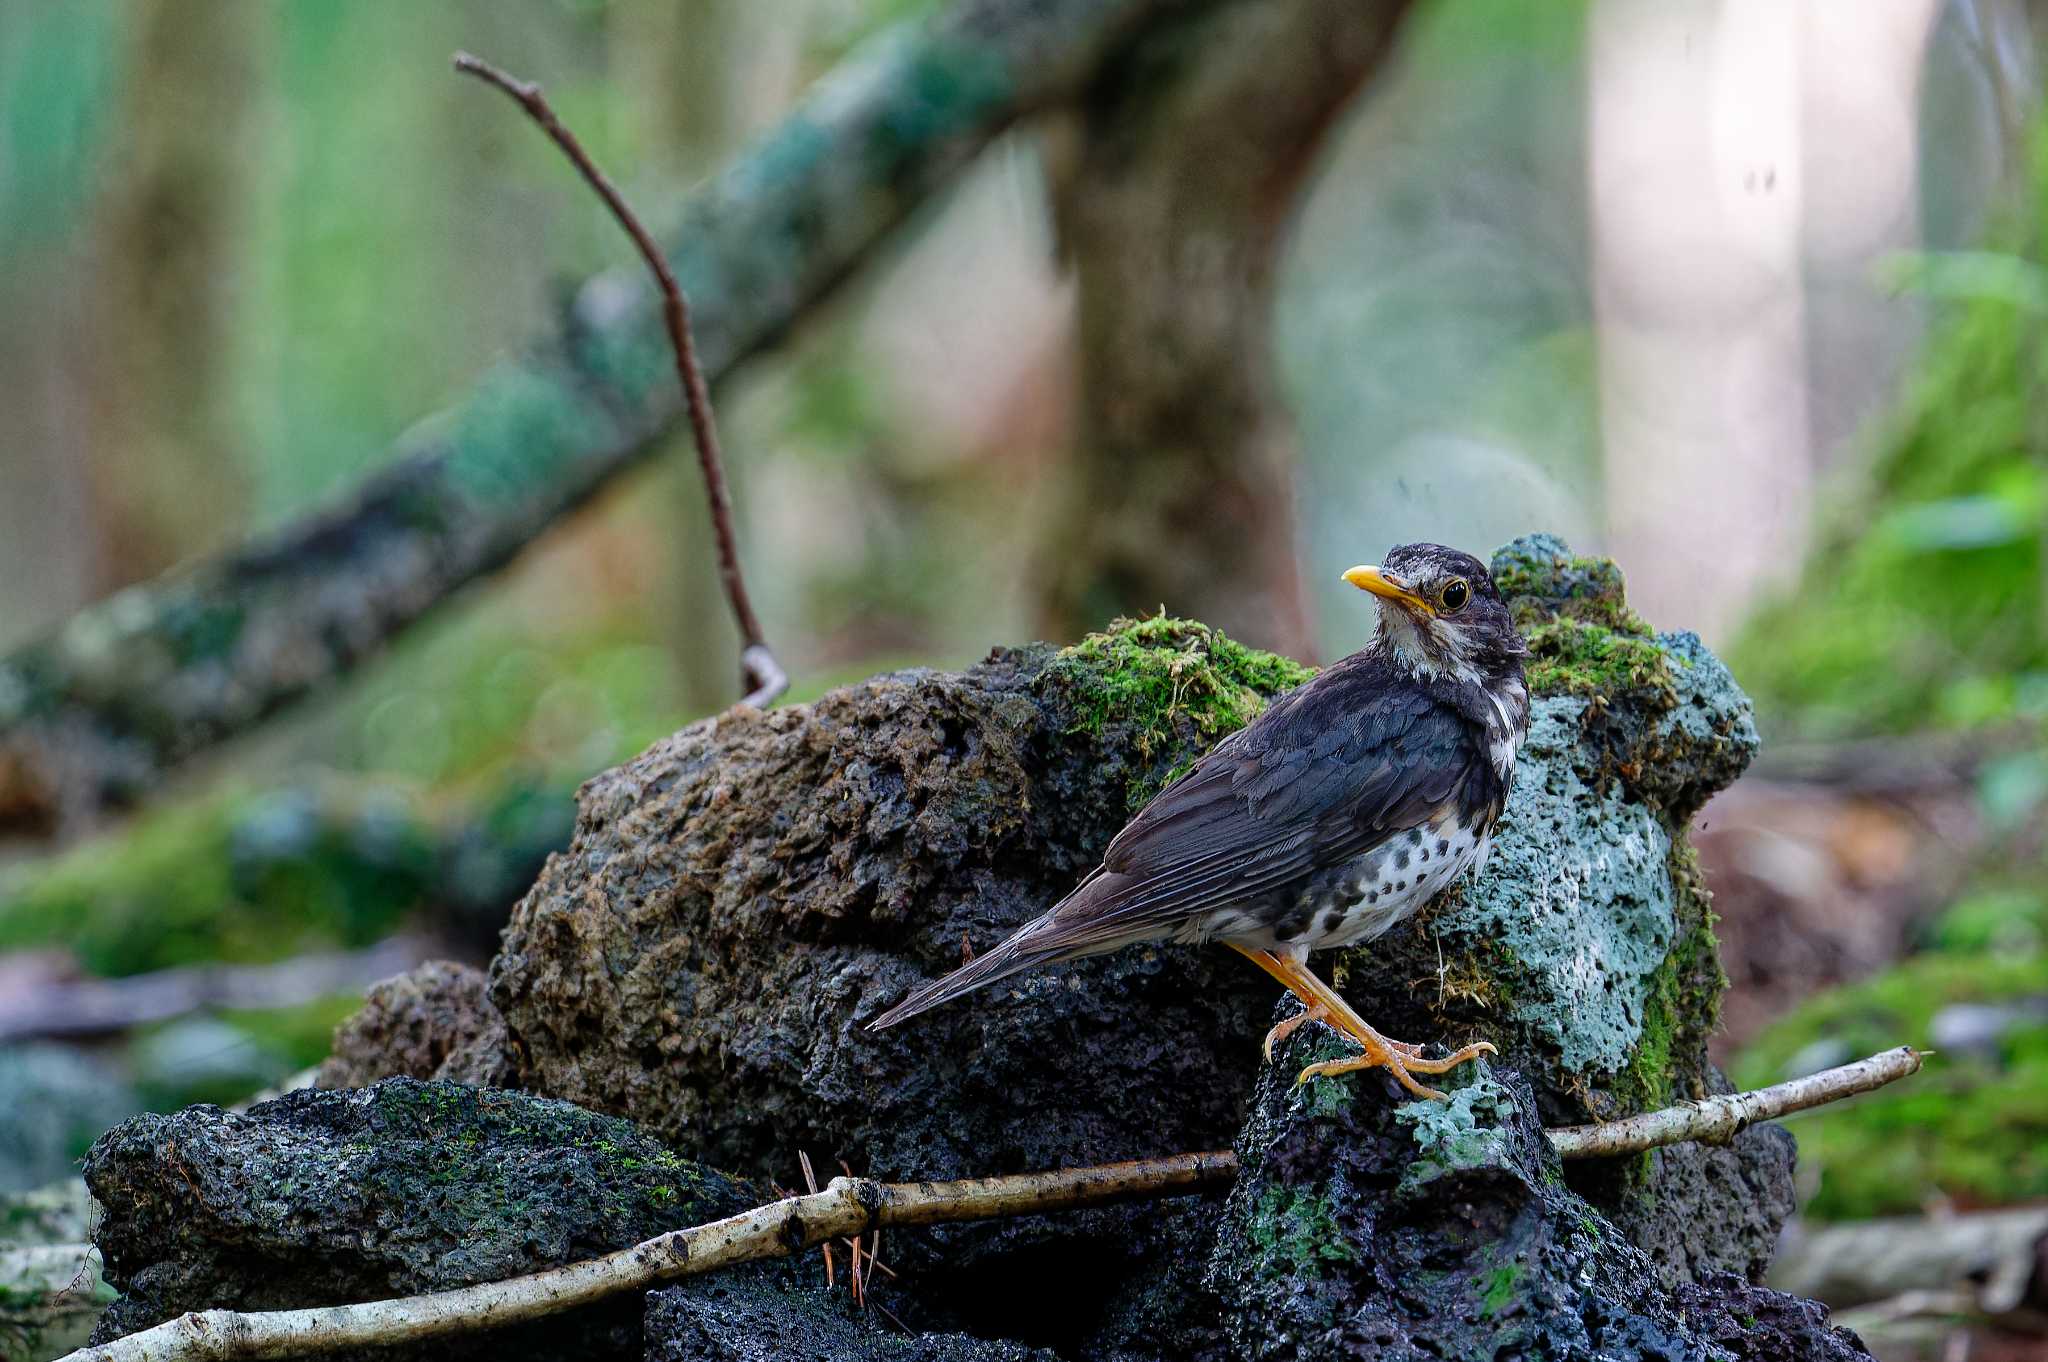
point(1584, 639)
point(1682, 1004)
point(1170, 684)
point(1296, 1231)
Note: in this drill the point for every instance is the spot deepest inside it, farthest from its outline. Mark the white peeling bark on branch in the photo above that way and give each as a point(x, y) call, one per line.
point(850, 1206)
point(846, 1207)
point(1717, 1120)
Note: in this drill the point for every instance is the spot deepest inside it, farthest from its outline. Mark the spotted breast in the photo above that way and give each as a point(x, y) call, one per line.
point(1388, 881)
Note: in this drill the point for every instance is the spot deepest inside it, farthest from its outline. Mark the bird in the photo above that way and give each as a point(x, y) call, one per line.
point(1327, 821)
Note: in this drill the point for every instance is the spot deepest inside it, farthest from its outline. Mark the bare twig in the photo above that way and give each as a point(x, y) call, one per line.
point(1717, 1120)
point(846, 1207)
point(811, 1186)
point(760, 673)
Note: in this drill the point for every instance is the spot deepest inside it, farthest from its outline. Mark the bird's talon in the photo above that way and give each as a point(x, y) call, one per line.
point(1291, 1025)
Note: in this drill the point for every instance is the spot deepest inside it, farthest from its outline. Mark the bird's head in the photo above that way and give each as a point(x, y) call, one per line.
point(1440, 614)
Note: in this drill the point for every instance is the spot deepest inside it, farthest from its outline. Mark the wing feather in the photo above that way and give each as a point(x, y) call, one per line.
point(1330, 771)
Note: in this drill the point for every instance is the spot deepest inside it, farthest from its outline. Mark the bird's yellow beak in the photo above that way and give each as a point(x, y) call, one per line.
point(1369, 578)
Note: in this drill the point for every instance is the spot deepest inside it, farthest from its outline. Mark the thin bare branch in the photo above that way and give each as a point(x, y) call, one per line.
point(1717, 1120)
point(846, 1207)
point(760, 674)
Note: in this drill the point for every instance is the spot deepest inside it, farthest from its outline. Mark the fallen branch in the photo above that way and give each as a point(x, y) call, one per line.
point(1992, 1258)
point(760, 673)
point(861, 1206)
point(847, 1206)
point(1717, 1120)
point(91, 1007)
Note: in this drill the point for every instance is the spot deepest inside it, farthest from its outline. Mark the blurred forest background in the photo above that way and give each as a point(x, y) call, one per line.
point(1748, 294)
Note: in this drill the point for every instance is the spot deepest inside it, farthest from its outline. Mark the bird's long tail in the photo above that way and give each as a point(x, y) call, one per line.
point(1026, 948)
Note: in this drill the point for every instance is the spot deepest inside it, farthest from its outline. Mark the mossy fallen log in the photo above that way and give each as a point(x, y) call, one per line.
point(95, 715)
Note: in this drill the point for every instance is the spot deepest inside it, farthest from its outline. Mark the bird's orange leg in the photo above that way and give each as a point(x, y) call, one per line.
point(1326, 1004)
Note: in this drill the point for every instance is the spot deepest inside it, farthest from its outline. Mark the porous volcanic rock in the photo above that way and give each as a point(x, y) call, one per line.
point(759, 1314)
point(1361, 1228)
point(433, 1021)
point(321, 1197)
point(742, 897)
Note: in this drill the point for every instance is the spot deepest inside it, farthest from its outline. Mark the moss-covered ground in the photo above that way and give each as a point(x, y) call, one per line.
point(1973, 1126)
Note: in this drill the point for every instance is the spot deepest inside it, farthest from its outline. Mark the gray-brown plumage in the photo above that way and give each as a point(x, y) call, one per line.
point(1331, 818)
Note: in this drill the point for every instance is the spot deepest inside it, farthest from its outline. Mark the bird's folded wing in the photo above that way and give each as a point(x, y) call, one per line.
point(1331, 771)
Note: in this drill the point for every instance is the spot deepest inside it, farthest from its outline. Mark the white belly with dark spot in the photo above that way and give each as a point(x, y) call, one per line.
point(1354, 902)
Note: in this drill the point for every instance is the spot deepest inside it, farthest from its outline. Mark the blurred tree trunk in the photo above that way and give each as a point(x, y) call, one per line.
point(166, 477)
point(1192, 154)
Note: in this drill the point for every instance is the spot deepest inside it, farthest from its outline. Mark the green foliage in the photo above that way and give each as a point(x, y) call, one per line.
point(1971, 1125)
point(231, 877)
point(1924, 602)
point(1925, 605)
point(477, 699)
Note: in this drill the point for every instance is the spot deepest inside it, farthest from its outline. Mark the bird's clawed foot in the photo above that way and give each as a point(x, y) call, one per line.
point(1317, 1012)
point(1323, 1003)
point(1399, 1059)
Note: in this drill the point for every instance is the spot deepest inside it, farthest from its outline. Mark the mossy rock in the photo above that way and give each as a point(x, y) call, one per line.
point(1367, 1228)
point(741, 898)
point(319, 1198)
point(1585, 948)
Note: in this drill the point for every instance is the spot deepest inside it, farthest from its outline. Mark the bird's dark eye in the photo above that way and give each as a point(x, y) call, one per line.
point(1455, 595)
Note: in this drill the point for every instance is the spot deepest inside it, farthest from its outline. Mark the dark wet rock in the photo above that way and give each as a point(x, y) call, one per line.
point(1163, 1311)
point(433, 1021)
point(1656, 1202)
point(1365, 1228)
point(324, 1197)
point(741, 898)
point(744, 896)
point(760, 1316)
point(1751, 1323)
